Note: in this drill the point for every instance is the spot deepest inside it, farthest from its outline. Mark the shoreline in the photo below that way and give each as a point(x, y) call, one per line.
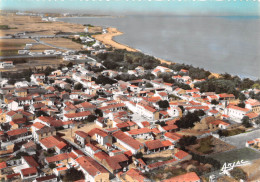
point(108, 40)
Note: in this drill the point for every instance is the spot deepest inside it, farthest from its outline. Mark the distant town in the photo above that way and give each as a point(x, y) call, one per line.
point(76, 108)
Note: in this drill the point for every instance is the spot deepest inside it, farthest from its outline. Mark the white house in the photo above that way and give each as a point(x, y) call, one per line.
point(128, 142)
point(6, 64)
point(143, 133)
point(236, 113)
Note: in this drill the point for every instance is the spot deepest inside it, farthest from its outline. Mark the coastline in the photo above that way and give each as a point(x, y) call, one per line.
point(108, 40)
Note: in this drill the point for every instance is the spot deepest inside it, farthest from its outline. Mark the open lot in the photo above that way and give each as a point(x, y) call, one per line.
point(62, 42)
point(210, 145)
point(253, 170)
point(245, 154)
point(68, 134)
point(35, 25)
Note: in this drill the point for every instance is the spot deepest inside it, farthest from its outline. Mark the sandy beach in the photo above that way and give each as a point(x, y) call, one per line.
point(107, 39)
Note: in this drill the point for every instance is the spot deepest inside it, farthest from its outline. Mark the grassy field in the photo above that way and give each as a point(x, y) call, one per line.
point(164, 173)
point(235, 155)
point(206, 146)
point(156, 159)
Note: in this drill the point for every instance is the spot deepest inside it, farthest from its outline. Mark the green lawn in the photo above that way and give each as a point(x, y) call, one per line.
point(236, 155)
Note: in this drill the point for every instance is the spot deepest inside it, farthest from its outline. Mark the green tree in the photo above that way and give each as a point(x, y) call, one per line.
point(245, 122)
point(148, 85)
point(99, 112)
point(187, 140)
point(73, 174)
point(78, 86)
point(238, 174)
point(215, 102)
point(70, 64)
point(91, 118)
point(104, 80)
point(242, 97)
point(163, 104)
point(188, 120)
point(199, 113)
point(241, 104)
point(52, 165)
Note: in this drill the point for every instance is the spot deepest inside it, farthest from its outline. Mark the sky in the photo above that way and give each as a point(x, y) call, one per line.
point(122, 7)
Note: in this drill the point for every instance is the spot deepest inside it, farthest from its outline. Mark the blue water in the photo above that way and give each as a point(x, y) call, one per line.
point(218, 44)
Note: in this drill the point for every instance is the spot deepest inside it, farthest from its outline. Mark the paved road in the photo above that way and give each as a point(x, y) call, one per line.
point(240, 140)
point(27, 56)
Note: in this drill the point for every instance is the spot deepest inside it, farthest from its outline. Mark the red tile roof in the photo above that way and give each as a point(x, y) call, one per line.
point(136, 175)
point(217, 122)
point(170, 127)
point(181, 154)
point(98, 132)
point(91, 166)
point(17, 132)
point(79, 114)
point(145, 123)
point(81, 134)
point(3, 165)
point(173, 136)
point(31, 161)
point(51, 141)
point(38, 125)
point(56, 158)
point(166, 143)
point(226, 95)
point(114, 161)
point(29, 171)
point(127, 139)
point(93, 147)
point(252, 115)
point(101, 155)
point(237, 108)
point(154, 144)
point(11, 113)
point(253, 102)
point(139, 131)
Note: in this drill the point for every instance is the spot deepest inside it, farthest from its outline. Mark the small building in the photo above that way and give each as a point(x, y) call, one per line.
point(6, 64)
point(29, 173)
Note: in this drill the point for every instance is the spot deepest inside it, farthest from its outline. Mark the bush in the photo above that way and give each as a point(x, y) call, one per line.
point(91, 118)
point(73, 174)
point(78, 86)
point(238, 174)
point(214, 102)
point(206, 160)
point(188, 120)
point(245, 122)
point(52, 165)
point(163, 104)
point(186, 141)
point(149, 85)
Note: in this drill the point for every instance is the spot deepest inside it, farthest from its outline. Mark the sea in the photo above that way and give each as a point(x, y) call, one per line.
point(222, 36)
